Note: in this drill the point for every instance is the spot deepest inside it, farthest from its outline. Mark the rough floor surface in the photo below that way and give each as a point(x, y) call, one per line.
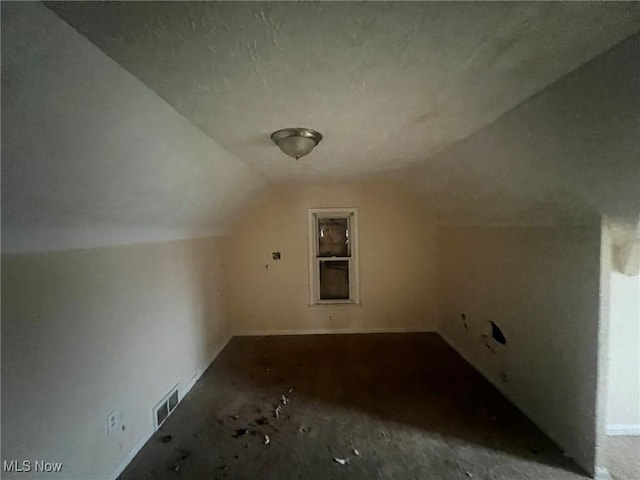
point(622, 457)
point(383, 406)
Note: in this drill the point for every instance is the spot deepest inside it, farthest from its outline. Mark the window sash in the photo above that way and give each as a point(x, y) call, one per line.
point(318, 234)
point(318, 282)
point(352, 260)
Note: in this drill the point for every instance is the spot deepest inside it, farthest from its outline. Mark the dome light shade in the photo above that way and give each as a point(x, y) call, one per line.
point(296, 142)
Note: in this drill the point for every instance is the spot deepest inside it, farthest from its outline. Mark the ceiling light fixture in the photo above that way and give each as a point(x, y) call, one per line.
point(296, 142)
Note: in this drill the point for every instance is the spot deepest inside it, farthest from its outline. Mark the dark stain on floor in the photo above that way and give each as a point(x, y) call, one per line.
point(387, 406)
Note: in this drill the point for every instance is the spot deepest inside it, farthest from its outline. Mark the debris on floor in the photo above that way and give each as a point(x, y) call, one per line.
point(284, 399)
point(290, 390)
point(262, 421)
point(241, 432)
point(464, 470)
point(178, 463)
point(166, 439)
point(235, 417)
point(400, 438)
point(276, 412)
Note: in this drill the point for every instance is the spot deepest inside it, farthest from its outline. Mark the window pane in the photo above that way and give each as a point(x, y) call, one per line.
point(334, 280)
point(333, 237)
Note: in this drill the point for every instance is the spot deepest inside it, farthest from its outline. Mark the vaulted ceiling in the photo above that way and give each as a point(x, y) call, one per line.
point(496, 112)
point(387, 84)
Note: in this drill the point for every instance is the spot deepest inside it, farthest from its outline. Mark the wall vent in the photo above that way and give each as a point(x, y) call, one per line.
point(164, 407)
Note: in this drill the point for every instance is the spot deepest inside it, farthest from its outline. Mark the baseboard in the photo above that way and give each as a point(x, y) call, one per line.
point(183, 393)
point(200, 372)
point(131, 455)
point(626, 430)
point(328, 331)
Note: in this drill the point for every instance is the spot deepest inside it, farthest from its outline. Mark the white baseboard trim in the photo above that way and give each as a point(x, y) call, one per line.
point(626, 430)
point(328, 331)
point(183, 393)
point(131, 455)
point(199, 373)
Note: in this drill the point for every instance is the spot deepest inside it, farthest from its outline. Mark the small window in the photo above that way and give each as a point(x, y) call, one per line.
point(333, 255)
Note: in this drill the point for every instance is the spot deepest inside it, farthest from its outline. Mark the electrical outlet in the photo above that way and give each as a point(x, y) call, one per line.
point(113, 422)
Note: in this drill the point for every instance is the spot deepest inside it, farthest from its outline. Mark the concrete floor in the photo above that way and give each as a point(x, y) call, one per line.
point(409, 405)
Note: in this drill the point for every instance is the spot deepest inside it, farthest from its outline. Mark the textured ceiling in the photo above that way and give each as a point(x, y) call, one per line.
point(567, 155)
point(387, 84)
point(481, 107)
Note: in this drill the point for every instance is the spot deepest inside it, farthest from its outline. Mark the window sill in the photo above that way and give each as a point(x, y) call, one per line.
point(334, 303)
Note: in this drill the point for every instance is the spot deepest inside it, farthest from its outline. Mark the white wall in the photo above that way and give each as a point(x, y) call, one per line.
point(397, 262)
point(623, 382)
point(540, 285)
point(87, 331)
point(92, 157)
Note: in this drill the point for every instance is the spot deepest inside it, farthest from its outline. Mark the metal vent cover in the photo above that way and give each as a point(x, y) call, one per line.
point(164, 407)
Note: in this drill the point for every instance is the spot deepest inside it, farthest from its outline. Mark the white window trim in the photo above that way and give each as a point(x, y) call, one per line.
point(354, 259)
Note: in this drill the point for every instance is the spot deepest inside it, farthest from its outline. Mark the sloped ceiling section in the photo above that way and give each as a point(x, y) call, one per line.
point(92, 157)
point(568, 155)
point(388, 84)
point(173, 143)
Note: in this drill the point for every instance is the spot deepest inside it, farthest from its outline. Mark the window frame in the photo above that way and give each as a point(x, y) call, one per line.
point(314, 260)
